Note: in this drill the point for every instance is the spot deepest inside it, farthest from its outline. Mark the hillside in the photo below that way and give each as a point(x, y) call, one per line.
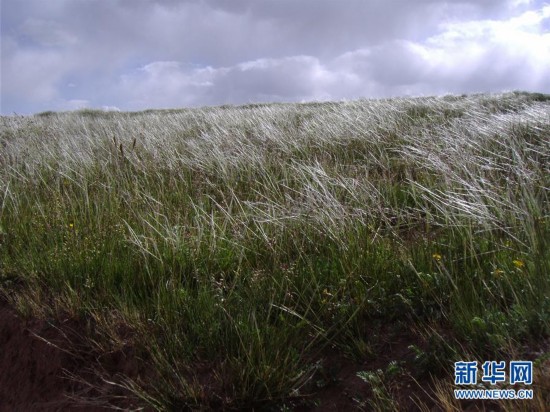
point(317, 256)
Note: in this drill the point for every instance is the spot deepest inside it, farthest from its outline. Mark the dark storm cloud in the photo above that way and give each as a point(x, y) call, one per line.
point(135, 54)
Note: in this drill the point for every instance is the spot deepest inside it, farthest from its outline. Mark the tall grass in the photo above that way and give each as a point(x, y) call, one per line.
point(239, 243)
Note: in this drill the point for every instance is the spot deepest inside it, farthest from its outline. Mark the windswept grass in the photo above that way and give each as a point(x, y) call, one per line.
point(240, 244)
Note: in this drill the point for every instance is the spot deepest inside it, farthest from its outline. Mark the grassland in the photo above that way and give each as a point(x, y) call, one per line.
point(247, 253)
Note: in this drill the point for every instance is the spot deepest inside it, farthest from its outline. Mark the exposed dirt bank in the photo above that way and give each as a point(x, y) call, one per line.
point(47, 367)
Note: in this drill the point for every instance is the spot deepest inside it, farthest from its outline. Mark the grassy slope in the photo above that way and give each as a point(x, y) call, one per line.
point(253, 239)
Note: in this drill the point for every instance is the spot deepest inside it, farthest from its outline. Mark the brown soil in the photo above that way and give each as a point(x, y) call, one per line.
point(47, 367)
point(346, 391)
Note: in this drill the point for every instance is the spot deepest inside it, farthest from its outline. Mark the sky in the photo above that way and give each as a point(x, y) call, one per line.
point(139, 54)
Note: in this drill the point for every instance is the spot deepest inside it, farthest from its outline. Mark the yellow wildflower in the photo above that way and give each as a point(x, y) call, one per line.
point(518, 263)
point(498, 272)
point(437, 256)
point(71, 225)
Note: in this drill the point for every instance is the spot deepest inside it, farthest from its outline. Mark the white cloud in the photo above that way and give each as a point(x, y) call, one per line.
point(513, 53)
point(517, 3)
point(164, 84)
point(110, 108)
point(75, 104)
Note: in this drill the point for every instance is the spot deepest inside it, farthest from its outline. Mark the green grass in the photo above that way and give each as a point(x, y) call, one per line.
point(253, 239)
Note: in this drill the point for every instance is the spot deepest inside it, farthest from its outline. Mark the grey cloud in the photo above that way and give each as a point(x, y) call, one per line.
point(214, 52)
point(46, 33)
point(228, 32)
point(30, 73)
point(396, 63)
point(269, 79)
point(288, 79)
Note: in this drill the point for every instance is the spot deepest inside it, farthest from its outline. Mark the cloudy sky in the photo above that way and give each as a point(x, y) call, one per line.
point(138, 54)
